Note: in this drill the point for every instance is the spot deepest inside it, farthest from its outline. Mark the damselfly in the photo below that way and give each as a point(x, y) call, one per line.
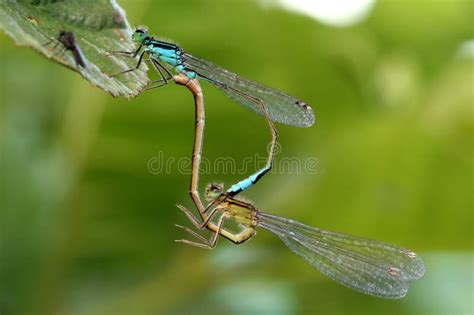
point(364, 265)
point(280, 106)
point(68, 42)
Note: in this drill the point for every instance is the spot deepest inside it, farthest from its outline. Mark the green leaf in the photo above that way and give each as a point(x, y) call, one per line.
point(99, 26)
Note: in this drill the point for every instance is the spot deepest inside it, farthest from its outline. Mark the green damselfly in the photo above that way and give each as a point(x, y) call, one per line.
point(368, 266)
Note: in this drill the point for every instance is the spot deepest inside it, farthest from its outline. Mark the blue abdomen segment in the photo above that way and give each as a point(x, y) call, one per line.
point(189, 73)
point(248, 182)
point(169, 54)
point(166, 52)
point(169, 60)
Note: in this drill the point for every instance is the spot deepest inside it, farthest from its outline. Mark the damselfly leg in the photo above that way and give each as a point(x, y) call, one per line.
point(139, 63)
point(245, 216)
point(130, 54)
point(204, 243)
point(163, 72)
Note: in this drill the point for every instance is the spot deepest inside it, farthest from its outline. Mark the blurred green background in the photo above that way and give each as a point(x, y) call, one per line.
point(88, 229)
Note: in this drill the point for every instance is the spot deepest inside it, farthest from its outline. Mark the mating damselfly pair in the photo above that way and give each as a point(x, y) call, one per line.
point(368, 266)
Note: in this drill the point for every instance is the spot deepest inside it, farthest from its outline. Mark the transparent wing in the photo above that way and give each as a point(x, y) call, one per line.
point(368, 266)
point(282, 108)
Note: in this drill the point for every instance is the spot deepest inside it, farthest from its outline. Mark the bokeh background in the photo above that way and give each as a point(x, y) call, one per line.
point(88, 229)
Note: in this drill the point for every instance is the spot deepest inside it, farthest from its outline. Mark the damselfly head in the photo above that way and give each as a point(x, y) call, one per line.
point(213, 190)
point(139, 35)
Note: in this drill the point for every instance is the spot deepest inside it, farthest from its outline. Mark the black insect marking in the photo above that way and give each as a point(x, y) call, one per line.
point(69, 42)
